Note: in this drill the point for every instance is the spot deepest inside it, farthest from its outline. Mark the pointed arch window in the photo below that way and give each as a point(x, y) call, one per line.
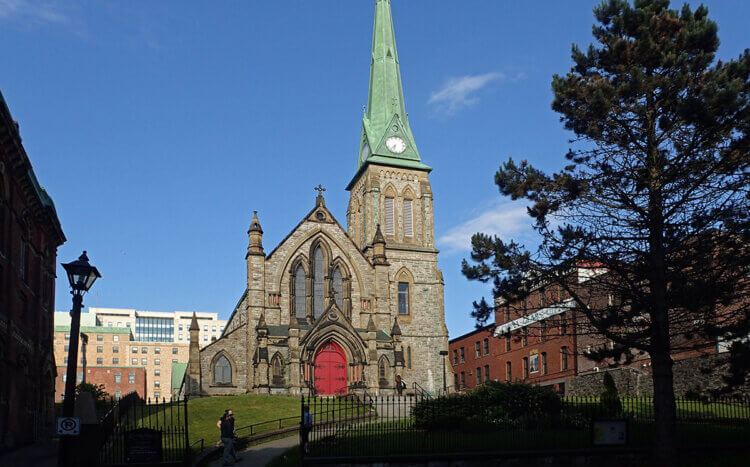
point(318, 282)
point(383, 365)
point(222, 371)
point(299, 293)
point(277, 371)
point(338, 288)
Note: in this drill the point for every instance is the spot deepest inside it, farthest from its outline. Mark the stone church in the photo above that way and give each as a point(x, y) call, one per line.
point(332, 310)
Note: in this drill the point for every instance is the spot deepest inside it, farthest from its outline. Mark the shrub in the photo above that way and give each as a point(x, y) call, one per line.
point(610, 398)
point(492, 405)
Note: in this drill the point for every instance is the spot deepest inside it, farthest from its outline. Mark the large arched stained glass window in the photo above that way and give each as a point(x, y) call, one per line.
point(222, 371)
point(299, 292)
point(318, 282)
point(338, 288)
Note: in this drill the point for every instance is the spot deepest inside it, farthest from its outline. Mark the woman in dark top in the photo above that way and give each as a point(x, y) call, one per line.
point(226, 425)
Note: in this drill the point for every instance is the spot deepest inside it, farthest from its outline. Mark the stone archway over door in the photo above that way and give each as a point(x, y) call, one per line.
point(330, 369)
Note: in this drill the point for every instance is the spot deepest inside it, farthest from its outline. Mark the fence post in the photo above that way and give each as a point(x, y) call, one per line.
point(301, 428)
point(187, 437)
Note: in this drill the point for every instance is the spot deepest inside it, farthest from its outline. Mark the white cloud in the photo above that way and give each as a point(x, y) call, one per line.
point(504, 219)
point(25, 10)
point(456, 93)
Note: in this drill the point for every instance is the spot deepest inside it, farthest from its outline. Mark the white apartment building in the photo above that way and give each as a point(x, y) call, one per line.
point(154, 326)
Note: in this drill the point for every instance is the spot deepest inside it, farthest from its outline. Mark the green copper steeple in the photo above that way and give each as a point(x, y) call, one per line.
point(386, 136)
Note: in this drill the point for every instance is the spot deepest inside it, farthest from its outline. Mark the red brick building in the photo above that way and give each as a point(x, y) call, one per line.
point(472, 358)
point(30, 233)
point(117, 380)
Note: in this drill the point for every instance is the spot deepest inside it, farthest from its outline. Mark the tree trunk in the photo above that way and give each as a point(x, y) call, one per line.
point(665, 409)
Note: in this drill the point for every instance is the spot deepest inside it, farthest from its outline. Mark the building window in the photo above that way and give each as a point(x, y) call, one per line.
point(119, 324)
point(477, 350)
point(525, 337)
point(563, 324)
point(157, 383)
point(390, 224)
point(205, 338)
point(455, 381)
point(213, 328)
point(338, 288)
point(174, 350)
point(157, 394)
point(115, 349)
point(116, 338)
point(99, 361)
point(118, 378)
point(408, 218)
point(109, 324)
point(144, 361)
point(318, 282)
point(463, 355)
point(277, 371)
point(486, 346)
point(508, 373)
point(67, 337)
point(131, 377)
point(157, 350)
point(222, 371)
point(115, 361)
point(144, 349)
point(134, 349)
point(135, 361)
point(299, 292)
point(118, 394)
point(564, 357)
point(403, 298)
point(99, 337)
point(179, 337)
point(507, 342)
point(544, 363)
point(534, 363)
point(66, 348)
point(157, 372)
point(65, 359)
point(479, 376)
point(205, 328)
point(455, 356)
point(99, 349)
point(148, 329)
point(127, 325)
point(180, 327)
point(486, 373)
point(157, 362)
point(525, 367)
point(174, 360)
point(463, 379)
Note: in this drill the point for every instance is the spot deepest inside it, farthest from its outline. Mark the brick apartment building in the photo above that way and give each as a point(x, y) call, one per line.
point(30, 234)
point(541, 340)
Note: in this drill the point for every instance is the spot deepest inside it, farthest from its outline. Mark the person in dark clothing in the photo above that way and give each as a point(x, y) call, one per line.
point(226, 425)
point(400, 385)
point(305, 427)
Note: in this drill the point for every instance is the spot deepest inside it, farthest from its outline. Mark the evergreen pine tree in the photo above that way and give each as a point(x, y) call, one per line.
point(655, 193)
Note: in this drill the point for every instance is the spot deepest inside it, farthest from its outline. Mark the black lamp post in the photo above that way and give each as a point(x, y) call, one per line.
point(81, 276)
point(445, 387)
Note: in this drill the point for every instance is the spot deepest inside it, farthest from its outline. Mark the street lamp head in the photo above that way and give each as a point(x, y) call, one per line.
point(81, 274)
point(443, 352)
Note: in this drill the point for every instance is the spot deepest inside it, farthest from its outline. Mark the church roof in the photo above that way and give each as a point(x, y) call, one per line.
point(386, 115)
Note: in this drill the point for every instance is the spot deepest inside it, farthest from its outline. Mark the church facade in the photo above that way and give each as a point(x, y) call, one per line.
point(332, 310)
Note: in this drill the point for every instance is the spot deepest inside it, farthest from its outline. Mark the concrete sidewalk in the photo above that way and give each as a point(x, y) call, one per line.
point(261, 454)
point(40, 454)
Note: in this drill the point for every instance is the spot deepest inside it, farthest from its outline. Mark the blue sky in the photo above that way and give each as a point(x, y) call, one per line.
point(157, 127)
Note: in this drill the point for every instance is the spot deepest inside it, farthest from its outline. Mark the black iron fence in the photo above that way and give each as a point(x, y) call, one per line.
point(147, 431)
point(418, 424)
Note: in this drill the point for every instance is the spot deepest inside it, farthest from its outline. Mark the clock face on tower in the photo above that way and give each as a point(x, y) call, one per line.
point(395, 144)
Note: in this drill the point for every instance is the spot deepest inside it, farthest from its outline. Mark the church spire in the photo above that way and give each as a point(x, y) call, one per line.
point(386, 135)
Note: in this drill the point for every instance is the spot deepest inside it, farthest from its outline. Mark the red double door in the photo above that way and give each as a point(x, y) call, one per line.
point(330, 369)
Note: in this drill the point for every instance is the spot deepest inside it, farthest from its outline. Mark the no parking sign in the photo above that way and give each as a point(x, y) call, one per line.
point(68, 426)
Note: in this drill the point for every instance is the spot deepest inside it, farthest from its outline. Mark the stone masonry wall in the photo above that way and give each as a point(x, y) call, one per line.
point(700, 375)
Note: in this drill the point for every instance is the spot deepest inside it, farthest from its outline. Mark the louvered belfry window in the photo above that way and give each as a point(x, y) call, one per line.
point(390, 225)
point(408, 219)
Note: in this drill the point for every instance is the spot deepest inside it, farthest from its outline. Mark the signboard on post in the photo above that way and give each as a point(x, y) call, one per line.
point(610, 433)
point(143, 446)
point(68, 426)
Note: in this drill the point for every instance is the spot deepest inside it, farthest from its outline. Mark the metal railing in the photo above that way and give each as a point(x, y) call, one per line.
point(467, 423)
point(420, 391)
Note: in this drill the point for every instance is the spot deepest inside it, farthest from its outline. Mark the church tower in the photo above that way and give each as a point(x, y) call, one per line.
point(390, 194)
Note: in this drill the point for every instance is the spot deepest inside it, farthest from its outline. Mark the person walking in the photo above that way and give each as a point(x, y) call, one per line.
point(226, 425)
point(305, 428)
point(400, 385)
